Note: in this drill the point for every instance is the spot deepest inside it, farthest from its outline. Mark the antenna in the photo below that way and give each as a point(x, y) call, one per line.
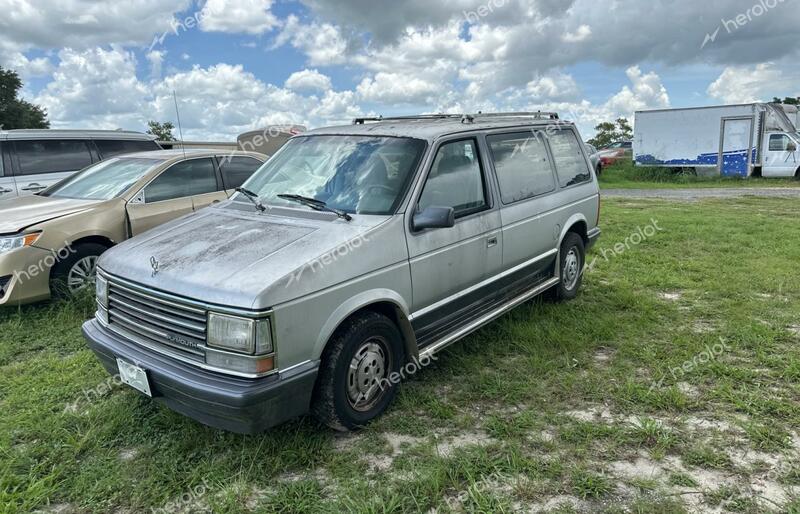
point(180, 130)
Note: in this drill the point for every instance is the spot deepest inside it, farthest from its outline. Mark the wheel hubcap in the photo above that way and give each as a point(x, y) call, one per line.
point(82, 274)
point(572, 268)
point(367, 373)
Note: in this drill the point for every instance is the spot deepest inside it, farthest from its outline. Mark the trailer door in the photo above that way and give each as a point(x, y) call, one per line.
point(735, 147)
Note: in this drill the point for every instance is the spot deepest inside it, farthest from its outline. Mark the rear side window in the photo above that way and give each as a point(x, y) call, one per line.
point(236, 170)
point(523, 167)
point(187, 178)
point(51, 156)
point(111, 148)
point(571, 166)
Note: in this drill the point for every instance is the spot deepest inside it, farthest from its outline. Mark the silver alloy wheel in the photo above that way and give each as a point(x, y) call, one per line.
point(366, 377)
point(82, 274)
point(572, 268)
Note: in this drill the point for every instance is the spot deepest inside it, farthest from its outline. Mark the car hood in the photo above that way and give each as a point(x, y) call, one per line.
point(226, 257)
point(17, 214)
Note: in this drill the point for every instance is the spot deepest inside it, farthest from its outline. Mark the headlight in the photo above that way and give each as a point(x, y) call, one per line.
point(101, 286)
point(241, 335)
point(13, 242)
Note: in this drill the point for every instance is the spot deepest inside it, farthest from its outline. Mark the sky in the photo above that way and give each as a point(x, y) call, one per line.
point(238, 65)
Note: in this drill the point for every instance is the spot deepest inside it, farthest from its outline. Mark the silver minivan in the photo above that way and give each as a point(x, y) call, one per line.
point(33, 160)
point(344, 263)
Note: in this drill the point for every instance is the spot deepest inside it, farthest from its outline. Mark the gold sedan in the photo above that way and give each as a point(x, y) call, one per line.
point(50, 242)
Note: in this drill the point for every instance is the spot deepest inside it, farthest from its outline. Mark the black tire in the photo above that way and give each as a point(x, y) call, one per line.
point(599, 169)
point(59, 276)
point(568, 286)
point(333, 403)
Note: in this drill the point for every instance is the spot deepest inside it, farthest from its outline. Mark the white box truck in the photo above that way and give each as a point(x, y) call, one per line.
point(730, 140)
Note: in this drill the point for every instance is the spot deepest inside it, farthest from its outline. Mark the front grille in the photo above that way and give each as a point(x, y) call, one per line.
point(166, 323)
point(4, 281)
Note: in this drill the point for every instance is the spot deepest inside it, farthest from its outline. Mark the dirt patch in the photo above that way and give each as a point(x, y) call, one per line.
point(695, 424)
point(672, 296)
point(562, 502)
point(603, 355)
point(702, 327)
point(592, 414)
point(641, 467)
point(794, 329)
point(688, 389)
point(128, 454)
point(447, 447)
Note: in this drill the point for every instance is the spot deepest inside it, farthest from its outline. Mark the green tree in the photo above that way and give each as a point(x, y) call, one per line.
point(611, 132)
point(163, 131)
point(16, 113)
point(788, 101)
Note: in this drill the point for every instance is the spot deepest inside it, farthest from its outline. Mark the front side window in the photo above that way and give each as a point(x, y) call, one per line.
point(523, 167)
point(51, 156)
point(103, 181)
point(236, 170)
point(571, 166)
point(187, 178)
point(778, 143)
point(356, 174)
point(455, 179)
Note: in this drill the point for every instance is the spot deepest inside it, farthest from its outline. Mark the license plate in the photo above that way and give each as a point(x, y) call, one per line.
point(134, 376)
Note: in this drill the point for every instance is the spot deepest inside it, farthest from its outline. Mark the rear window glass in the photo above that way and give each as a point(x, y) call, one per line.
point(111, 148)
point(51, 156)
point(571, 166)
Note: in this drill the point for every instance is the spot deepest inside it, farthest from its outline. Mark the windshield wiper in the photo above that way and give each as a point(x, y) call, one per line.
point(315, 204)
point(252, 197)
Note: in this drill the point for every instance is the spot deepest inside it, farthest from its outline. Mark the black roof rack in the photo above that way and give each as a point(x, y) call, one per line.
point(465, 118)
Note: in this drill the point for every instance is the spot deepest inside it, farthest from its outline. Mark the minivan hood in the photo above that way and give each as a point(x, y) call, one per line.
point(17, 214)
point(226, 257)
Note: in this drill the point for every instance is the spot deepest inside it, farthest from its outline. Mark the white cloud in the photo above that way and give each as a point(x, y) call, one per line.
point(81, 24)
point(557, 86)
point(323, 43)
point(646, 92)
point(308, 80)
point(95, 88)
point(745, 84)
point(393, 88)
point(581, 34)
point(156, 60)
point(28, 68)
point(237, 16)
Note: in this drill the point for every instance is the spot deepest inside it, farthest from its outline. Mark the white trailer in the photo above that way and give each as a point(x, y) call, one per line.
point(730, 140)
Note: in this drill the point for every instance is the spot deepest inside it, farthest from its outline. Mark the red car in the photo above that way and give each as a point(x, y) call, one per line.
point(614, 152)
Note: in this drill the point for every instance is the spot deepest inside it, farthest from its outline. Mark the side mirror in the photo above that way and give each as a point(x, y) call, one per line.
point(435, 217)
point(791, 147)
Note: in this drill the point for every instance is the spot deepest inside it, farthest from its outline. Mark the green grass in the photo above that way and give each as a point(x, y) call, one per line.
point(581, 406)
point(625, 175)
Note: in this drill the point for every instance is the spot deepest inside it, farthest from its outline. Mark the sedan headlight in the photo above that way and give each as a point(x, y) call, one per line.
point(242, 335)
point(9, 243)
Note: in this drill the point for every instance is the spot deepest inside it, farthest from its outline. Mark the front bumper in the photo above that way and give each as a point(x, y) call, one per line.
point(241, 405)
point(28, 271)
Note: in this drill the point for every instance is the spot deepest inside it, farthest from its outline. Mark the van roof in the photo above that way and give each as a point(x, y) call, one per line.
point(127, 135)
point(432, 127)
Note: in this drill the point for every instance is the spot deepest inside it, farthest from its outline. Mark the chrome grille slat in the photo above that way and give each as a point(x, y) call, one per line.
point(166, 323)
point(174, 324)
point(161, 307)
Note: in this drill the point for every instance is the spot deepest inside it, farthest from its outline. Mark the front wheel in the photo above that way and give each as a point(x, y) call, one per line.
point(571, 261)
point(77, 271)
point(359, 374)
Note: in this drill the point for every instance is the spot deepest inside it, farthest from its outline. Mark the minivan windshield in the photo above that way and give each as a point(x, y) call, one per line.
point(354, 174)
point(104, 180)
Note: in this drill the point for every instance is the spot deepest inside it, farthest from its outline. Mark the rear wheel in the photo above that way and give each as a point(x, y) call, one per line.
point(599, 169)
point(359, 373)
point(572, 259)
point(77, 271)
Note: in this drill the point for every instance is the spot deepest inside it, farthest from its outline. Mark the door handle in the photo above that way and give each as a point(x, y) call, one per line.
point(4, 191)
point(34, 187)
point(215, 201)
point(491, 242)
